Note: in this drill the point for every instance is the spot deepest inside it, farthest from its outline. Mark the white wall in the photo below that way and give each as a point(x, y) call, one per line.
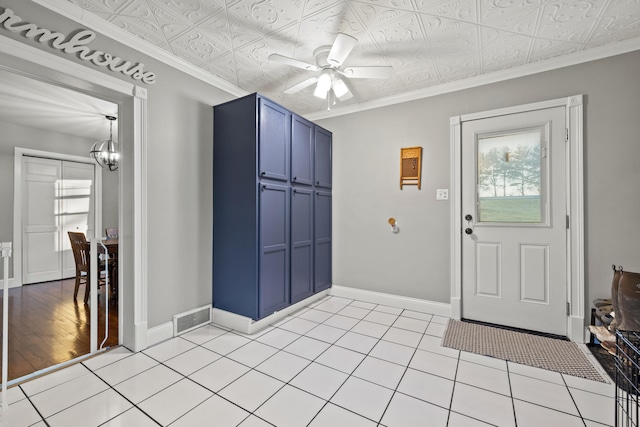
point(416, 261)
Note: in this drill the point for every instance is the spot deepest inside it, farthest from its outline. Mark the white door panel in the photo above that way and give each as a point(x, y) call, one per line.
point(41, 260)
point(488, 259)
point(514, 242)
point(534, 273)
point(40, 265)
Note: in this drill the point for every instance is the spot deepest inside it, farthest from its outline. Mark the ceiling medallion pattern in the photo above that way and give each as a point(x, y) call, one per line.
point(427, 42)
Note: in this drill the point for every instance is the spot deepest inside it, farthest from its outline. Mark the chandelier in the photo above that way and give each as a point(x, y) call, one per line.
point(105, 152)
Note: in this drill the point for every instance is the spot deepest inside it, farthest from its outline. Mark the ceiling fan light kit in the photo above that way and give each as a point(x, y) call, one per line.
point(324, 84)
point(329, 60)
point(340, 89)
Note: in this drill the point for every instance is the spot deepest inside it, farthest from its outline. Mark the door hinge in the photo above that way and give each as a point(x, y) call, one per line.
point(566, 134)
point(567, 222)
point(568, 309)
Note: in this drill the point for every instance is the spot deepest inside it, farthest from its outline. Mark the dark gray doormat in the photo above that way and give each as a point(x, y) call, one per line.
point(526, 349)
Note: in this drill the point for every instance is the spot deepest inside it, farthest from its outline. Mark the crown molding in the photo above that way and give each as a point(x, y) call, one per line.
point(576, 58)
point(94, 22)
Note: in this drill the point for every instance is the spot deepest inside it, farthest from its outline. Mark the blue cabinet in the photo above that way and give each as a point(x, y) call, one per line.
point(302, 146)
point(274, 136)
point(322, 155)
point(322, 262)
point(274, 248)
point(301, 244)
point(268, 249)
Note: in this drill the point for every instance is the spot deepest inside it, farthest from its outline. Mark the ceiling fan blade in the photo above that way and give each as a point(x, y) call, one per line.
point(297, 88)
point(368, 72)
point(293, 62)
point(341, 48)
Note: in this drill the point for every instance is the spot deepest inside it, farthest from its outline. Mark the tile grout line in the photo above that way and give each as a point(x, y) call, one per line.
point(127, 399)
point(43, 419)
point(513, 403)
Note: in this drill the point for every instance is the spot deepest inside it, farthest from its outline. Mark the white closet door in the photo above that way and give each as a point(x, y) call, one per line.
point(41, 225)
point(58, 198)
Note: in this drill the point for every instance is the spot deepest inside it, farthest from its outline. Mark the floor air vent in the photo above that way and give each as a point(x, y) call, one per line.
point(184, 322)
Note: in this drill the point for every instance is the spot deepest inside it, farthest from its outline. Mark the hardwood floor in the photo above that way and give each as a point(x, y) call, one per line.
point(46, 327)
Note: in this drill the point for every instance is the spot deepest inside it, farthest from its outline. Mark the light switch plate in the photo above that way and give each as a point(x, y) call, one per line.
point(442, 194)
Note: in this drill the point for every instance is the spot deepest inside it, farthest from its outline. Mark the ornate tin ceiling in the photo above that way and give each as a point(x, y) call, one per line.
point(427, 42)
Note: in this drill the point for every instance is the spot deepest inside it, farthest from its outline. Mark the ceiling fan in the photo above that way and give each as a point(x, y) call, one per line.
point(329, 60)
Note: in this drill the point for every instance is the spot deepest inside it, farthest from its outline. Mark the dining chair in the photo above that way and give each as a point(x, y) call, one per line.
point(80, 248)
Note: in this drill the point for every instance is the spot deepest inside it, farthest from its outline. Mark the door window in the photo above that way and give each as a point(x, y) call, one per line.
point(510, 176)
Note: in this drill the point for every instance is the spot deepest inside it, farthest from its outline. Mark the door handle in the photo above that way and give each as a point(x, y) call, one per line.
point(468, 231)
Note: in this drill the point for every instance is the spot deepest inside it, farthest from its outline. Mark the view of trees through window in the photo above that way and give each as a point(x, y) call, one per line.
point(509, 177)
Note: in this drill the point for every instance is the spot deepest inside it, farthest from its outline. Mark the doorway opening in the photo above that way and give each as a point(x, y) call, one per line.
point(41, 66)
point(57, 189)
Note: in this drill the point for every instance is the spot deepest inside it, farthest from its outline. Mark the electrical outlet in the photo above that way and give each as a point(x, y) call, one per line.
point(442, 194)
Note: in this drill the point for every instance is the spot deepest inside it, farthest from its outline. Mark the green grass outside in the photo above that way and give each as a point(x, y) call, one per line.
point(510, 209)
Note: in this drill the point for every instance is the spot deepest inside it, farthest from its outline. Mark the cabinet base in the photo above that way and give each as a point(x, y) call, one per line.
point(246, 325)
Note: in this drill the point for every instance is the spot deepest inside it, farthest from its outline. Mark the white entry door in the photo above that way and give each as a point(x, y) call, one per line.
point(57, 198)
point(514, 208)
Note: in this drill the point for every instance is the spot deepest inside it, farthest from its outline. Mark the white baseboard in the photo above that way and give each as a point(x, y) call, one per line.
point(159, 333)
point(456, 308)
point(414, 304)
point(246, 325)
point(13, 283)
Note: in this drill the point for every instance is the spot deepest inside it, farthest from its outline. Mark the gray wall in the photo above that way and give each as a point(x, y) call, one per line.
point(416, 261)
point(180, 183)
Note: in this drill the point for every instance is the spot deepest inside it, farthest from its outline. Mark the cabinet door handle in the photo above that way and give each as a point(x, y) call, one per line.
point(295, 191)
point(263, 173)
point(264, 187)
point(295, 178)
point(317, 182)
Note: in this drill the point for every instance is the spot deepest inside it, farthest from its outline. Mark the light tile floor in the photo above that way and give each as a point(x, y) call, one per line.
point(335, 363)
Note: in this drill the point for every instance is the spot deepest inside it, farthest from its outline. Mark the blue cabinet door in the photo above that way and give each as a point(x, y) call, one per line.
point(274, 141)
point(274, 248)
point(322, 162)
point(302, 133)
point(301, 244)
point(322, 265)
